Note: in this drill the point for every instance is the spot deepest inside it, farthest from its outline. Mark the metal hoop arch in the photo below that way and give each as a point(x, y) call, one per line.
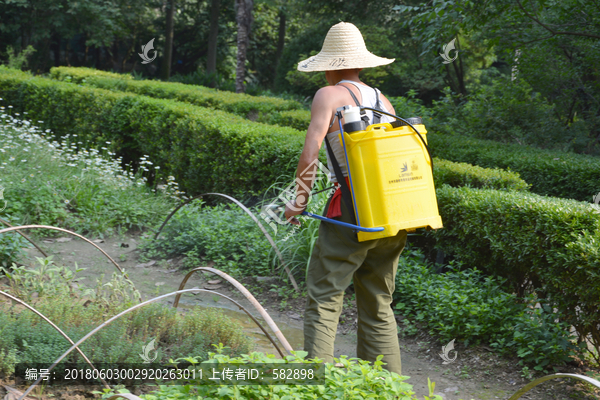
point(250, 298)
point(243, 207)
point(25, 236)
point(17, 228)
point(108, 321)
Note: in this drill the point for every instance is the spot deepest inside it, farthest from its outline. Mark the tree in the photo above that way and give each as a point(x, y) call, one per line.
point(211, 58)
point(166, 68)
point(244, 23)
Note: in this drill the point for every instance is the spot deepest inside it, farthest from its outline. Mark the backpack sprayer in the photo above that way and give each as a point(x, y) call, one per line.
point(390, 171)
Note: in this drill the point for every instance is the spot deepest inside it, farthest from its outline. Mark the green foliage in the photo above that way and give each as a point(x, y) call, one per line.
point(11, 245)
point(26, 338)
point(297, 119)
point(204, 149)
point(48, 182)
point(464, 174)
point(551, 173)
point(506, 111)
point(236, 103)
point(17, 61)
point(538, 244)
point(357, 379)
point(200, 78)
point(81, 75)
point(548, 45)
point(471, 308)
point(229, 237)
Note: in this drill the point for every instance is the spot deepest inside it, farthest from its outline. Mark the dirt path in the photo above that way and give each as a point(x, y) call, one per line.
point(477, 373)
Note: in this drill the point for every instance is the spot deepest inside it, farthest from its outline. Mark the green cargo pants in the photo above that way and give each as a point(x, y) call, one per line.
point(337, 259)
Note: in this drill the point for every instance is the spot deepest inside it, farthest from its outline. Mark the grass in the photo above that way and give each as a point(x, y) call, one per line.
point(61, 183)
point(25, 338)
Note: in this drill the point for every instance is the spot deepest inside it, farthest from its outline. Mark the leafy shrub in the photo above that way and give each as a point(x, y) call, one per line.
point(11, 244)
point(236, 103)
point(509, 111)
point(229, 237)
point(80, 75)
point(357, 379)
point(551, 173)
point(206, 150)
point(466, 306)
point(463, 174)
point(297, 119)
point(536, 243)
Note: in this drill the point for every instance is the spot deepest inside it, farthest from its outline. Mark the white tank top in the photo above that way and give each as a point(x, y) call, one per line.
point(367, 99)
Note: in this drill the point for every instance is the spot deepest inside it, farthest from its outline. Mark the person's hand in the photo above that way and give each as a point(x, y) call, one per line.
point(291, 210)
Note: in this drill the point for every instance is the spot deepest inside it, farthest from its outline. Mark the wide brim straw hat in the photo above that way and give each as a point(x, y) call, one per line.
point(343, 48)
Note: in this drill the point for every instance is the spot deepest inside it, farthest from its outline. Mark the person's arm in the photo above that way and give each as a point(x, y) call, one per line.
point(321, 112)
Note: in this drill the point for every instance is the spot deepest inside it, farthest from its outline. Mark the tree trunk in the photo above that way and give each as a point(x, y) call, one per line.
point(56, 49)
point(213, 35)
point(244, 21)
point(166, 67)
point(280, 39)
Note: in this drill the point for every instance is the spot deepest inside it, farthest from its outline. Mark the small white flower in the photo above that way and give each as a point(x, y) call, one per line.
point(67, 201)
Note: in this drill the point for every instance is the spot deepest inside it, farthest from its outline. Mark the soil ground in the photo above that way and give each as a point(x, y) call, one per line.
point(478, 373)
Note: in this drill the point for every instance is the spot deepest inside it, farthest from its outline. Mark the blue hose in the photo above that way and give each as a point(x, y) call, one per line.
point(340, 223)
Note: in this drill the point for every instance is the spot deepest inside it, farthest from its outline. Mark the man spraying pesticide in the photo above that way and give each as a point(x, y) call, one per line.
point(385, 188)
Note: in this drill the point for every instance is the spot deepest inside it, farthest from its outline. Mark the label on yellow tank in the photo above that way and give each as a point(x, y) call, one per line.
point(407, 170)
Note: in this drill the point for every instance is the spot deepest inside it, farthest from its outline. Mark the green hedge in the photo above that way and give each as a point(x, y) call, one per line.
point(240, 104)
point(206, 150)
point(551, 173)
point(463, 174)
point(80, 74)
point(533, 241)
point(297, 119)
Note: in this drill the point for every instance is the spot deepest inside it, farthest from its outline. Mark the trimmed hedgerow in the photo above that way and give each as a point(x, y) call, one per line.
point(297, 119)
point(534, 242)
point(79, 75)
point(206, 150)
point(237, 103)
point(551, 173)
point(463, 174)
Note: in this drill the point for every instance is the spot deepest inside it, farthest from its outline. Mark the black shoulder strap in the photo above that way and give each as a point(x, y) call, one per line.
point(346, 196)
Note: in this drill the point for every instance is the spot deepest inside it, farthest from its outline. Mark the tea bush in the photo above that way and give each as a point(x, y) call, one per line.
point(536, 243)
point(206, 150)
point(236, 103)
point(549, 172)
point(466, 306)
point(464, 174)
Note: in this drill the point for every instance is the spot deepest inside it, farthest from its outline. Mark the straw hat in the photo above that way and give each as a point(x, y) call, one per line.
point(343, 48)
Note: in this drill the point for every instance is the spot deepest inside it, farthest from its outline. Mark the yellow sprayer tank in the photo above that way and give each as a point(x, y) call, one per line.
point(392, 181)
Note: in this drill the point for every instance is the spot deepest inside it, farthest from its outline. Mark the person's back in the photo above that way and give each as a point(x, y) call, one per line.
point(338, 258)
